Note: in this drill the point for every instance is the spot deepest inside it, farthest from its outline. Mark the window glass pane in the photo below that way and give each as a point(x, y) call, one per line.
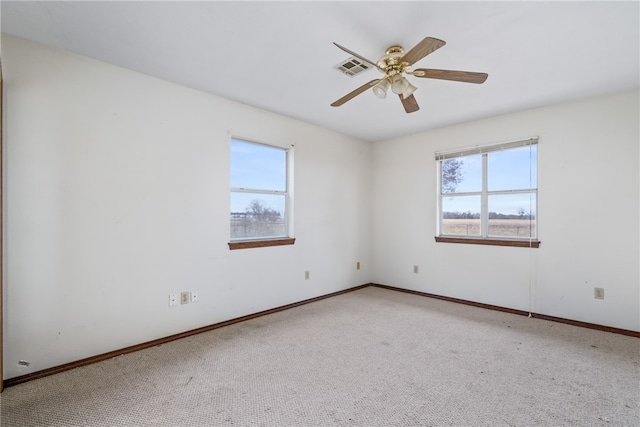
point(512, 169)
point(512, 215)
point(461, 215)
point(257, 215)
point(258, 167)
point(462, 174)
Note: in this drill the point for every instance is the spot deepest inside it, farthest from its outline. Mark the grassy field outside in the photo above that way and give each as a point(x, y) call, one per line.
point(249, 226)
point(497, 227)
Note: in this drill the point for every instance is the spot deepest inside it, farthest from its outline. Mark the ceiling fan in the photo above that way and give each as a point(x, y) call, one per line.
point(395, 63)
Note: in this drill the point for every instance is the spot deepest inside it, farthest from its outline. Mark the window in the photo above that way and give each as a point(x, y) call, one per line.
point(260, 196)
point(488, 194)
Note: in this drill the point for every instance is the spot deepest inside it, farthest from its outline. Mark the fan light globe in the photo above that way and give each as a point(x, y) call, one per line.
point(409, 90)
point(399, 84)
point(380, 90)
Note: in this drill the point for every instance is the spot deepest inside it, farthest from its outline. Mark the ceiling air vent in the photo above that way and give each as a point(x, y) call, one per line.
point(352, 66)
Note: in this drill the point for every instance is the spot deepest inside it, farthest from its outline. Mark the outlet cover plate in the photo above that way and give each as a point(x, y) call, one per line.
point(173, 300)
point(598, 293)
point(184, 298)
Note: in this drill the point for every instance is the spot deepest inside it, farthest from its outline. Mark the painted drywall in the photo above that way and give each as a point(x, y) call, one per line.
point(117, 194)
point(589, 194)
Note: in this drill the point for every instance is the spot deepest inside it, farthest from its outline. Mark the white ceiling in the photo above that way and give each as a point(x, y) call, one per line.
point(279, 56)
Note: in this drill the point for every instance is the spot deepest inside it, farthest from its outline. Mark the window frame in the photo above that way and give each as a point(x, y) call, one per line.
point(484, 193)
point(266, 241)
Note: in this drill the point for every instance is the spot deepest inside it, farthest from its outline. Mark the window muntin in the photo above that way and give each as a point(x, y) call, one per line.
point(489, 192)
point(259, 196)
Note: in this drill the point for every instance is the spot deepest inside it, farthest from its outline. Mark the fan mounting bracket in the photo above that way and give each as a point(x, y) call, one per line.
point(390, 63)
point(394, 49)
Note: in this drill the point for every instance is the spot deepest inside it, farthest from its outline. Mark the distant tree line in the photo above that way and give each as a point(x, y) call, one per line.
point(256, 211)
point(257, 221)
point(492, 215)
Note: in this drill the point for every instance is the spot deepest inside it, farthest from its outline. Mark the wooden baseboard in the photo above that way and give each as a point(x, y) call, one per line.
point(105, 356)
point(518, 312)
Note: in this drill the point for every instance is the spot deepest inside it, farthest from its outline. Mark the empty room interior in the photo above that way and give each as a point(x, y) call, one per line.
point(177, 169)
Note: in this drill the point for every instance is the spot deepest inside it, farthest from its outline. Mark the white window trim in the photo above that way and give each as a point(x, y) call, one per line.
point(484, 195)
point(238, 243)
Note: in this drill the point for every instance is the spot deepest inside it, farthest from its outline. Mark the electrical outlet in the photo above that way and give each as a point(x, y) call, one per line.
point(306, 275)
point(415, 269)
point(358, 265)
point(598, 293)
point(184, 298)
point(173, 300)
point(195, 296)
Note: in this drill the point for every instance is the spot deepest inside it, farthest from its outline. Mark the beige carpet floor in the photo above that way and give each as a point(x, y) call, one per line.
point(372, 357)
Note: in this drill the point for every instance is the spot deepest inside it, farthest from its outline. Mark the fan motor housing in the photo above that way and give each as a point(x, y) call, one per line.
point(390, 61)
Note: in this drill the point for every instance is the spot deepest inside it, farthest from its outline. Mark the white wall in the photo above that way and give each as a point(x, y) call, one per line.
point(116, 195)
point(588, 162)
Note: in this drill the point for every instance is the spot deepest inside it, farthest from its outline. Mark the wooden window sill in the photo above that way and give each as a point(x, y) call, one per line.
point(246, 244)
point(492, 242)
